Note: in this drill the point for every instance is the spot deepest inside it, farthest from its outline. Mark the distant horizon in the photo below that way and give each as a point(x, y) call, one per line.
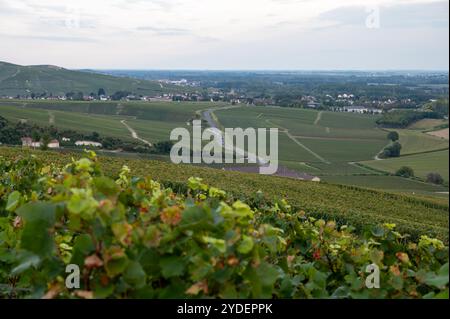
point(247, 70)
point(269, 70)
point(230, 70)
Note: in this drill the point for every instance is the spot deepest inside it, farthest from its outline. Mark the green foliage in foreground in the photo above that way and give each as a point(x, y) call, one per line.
point(134, 239)
point(344, 204)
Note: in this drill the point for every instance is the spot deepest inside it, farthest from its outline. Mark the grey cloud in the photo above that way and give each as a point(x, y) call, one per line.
point(62, 23)
point(433, 15)
point(57, 8)
point(65, 39)
point(51, 38)
point(165, 5)
point(6, 9)
point(291, 1)
point(165, 31)
point(28, 8)
point(161, 31)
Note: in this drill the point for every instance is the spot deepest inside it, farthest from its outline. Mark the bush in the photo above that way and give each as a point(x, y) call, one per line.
point(163, 147)
point(393, 136)
point(440, 106)
point(132, 238)
point(405, 171)
point(435, 178)
point(403, 118)
point(392, 150)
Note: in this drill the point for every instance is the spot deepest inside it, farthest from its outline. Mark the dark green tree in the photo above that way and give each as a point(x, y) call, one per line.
point(45, 141)
point(78, 96)
point(393, 136)
point(163, 147)
point(435, 178)
point(95, 137)
point(405, 171)
point(35, 135)
point(101, 92)
point(393, 150)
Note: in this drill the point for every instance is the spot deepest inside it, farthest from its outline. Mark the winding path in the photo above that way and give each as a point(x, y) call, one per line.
point(318, 118)
point(208, 116)
point(377, 158)
point(51, 118)
point(134, 134)
point(292, 137)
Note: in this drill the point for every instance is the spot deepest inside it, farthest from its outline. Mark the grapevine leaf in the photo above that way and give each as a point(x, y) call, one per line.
point(13, 201)
point(172, 266)
point(39, 217)
point(83, 247)
point(135, 275)
point(246, 245)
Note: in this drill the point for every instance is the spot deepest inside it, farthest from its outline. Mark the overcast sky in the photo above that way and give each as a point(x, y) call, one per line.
point(226, 34)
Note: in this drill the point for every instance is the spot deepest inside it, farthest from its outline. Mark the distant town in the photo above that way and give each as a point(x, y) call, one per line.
point(340, 102)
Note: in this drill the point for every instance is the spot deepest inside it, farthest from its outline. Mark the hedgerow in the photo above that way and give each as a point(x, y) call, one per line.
point(133, 238)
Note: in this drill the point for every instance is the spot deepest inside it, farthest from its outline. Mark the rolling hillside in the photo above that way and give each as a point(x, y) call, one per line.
point(22, 80)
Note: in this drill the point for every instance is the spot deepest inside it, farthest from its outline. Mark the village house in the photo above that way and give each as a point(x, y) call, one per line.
point(313, 105)
point(53, 144)
point(362, 110)
point(88, 143)
point(28, 142)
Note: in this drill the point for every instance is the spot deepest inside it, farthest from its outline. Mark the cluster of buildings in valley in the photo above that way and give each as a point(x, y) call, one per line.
point(182, 82)
point(88, 98)
point(166, 97)
point(55, 144)
point(341, 102)
point(358, 109)
point(29, 142)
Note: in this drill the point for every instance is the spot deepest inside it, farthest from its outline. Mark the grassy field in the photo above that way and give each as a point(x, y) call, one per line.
point(303, 122)
point(427, 124)
point(85, 123)
point(343, 150)
point(418, 142)
point(160, 111)
point(152, 121)
point(324, 144)
point(330, 135)
point(356, 206)
point(327, 144)
point(422, 164)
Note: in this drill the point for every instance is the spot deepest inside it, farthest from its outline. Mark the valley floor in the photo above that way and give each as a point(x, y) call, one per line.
point(337, 147)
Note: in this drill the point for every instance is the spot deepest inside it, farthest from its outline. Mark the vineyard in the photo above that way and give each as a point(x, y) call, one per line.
point(325, 144)
point(133, 238)
point(345, 204)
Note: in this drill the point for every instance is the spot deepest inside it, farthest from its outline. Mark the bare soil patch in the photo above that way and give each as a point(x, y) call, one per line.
point(441, 133)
